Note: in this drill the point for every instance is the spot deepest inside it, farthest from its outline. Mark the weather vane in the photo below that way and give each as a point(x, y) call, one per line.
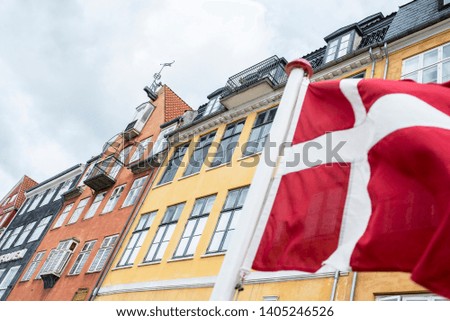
point(151, 91)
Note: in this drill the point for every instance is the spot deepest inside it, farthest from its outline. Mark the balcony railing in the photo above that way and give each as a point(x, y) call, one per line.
point(103, 174)
point(271, 69)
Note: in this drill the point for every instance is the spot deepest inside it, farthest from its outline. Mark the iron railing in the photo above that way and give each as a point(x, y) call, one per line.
point(271, 69)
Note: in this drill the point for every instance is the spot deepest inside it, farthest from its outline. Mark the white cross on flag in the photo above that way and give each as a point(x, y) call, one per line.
point(378, 199)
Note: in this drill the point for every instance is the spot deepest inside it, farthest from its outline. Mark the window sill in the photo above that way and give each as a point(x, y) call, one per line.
point(187, 258)
point(249, 156)
point(93, 272)
point(188, 176)
point(213, 254)
point(218, 166)
point(122, 267)
point(149, 263)
point(161, 185)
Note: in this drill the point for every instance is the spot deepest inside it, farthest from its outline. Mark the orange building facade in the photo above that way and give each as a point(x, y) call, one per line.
point(69, 263)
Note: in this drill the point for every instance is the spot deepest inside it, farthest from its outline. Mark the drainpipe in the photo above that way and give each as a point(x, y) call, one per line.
point(386, 64)
point(372, 57)
point(335, 283)
point(352, 291)
point(126, 229)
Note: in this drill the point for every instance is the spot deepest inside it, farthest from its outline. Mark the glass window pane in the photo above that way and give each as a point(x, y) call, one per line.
point(189, 227)
point(411, 65)
point(181, 247)
point(226, 242)
point(446, 71)
point(242, 197)
point(446, 51)
point(209, 204)
point(198, 207)
point(159, 235)
point(413, 76)
point(231, 199)
point(161, 251)
point(430, 58)
point(193, 245)
point(430, 75)
point(151, 253)
point(215, 243)
point(235, 219)
point(223, 221)
point(169, 232)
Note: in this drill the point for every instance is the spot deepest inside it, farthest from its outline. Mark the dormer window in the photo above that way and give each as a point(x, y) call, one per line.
point(338, 47)
point(212, 106)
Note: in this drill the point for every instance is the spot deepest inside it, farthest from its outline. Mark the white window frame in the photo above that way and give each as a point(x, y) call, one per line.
point(228, 220)
point(13, 237)
point(339, 47)
point(63, 216)
point(164, 234)
point(34, 204)
point(49, 195)
point(94, 206)
point(33, 266)
point(411, 297)
point(26, 231)
point(161, 142)
point(59, 257)
point(135, 191)
point(40, 229)
point(421, 68)
point(82, 257)
point(137, 239)
point(194, 227)
point(103, 253)
point(140, 149)
point(8, 279)
point(64, 188)
point(113, 199)
point(5, 236)
point(78, 211)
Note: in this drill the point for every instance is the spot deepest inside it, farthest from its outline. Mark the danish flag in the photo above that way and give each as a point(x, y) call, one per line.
point(384, 203)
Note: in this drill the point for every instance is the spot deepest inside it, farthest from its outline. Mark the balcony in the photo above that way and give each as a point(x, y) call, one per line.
point(153, 161)
point(254, 82)
point(103, 174)
point(72, 193)
point(131, 131)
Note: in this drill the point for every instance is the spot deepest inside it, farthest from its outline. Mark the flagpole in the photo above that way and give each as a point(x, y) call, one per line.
point(229, 274)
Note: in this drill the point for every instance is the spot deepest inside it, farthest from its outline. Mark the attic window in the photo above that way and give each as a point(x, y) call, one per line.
point(212, 106)
point(338, 47)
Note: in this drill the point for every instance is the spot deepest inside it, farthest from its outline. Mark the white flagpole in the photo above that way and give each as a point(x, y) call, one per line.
point(229, 274)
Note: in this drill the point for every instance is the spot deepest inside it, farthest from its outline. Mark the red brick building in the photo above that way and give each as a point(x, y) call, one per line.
point(69, 263)
point(11, 203)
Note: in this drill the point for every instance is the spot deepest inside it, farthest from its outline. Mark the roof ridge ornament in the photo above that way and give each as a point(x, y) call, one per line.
point(151, 91)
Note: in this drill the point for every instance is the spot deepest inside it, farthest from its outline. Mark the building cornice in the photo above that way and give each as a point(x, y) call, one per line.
point(228, 116)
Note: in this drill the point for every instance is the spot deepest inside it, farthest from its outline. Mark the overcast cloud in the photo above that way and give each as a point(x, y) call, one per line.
point(72, 72)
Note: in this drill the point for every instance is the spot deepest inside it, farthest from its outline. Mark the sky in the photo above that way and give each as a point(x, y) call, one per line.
point(72, 72)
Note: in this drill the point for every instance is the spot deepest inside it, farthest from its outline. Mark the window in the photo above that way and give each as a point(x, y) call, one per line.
point(25, 234)
point(134, 192)
point(64, 188)
point(13, 237)
point(430, 66)
point(87, 172)
point(136, 240)
point(173, 164)
point(8, 279)
point(58, 258)
point(33, 266)
point(194, 227)
point(164, 233)
point(338, 47)
point(35, 202)
point(260, 131)
point(228, 143)
point(94, 206)
point(5, 237)
point(124, 154)
point(40, 228)
point(228, 220)
point(410, 297)
point(113, 199)
point(161, 141)
point(360, 75)
point(103, 253)
point(82, 258)
point(80, 208)
point(49, 195)
point(115, 167)
point(199, 154)
point(63, 216)
point(23, 207)
point(140, 150)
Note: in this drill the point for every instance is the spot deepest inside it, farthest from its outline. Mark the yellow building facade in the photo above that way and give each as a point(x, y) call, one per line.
point(166, 266)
